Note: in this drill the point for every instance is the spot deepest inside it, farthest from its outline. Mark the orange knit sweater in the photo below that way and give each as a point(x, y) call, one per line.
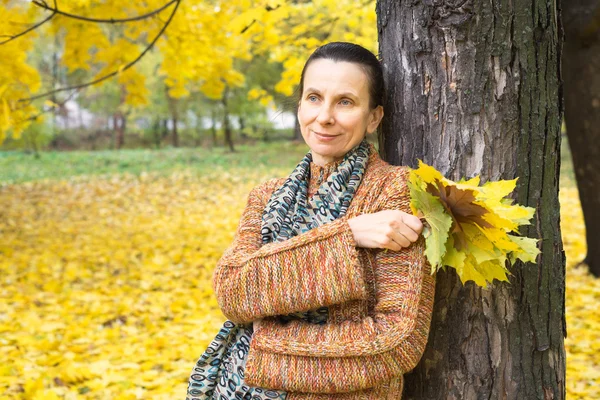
point(380, 302)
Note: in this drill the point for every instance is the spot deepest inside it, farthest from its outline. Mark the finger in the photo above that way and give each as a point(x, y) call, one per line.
point(400, 239)
point(409, 233)
point(388, 241)
point(392, 245)
point(413, 222)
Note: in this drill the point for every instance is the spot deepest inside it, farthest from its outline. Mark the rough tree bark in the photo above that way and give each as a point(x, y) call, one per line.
point(581, 62)
point(474, 87)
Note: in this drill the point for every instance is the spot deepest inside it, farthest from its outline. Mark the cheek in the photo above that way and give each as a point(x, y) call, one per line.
point(358, 120)
point(306, 115)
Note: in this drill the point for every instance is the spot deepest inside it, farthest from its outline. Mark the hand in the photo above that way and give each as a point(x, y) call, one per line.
point(388, 229)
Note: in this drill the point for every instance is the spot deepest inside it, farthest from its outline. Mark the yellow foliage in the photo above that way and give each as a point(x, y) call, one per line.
point(472, 221)
point(107, 282)
point(18, 79)
point(582, 299)
point(134, 83)
point(200, 50)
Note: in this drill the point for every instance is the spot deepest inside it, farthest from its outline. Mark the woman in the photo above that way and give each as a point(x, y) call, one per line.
point(325, 285)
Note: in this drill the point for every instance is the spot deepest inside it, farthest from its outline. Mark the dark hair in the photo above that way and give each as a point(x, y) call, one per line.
point(352, 53)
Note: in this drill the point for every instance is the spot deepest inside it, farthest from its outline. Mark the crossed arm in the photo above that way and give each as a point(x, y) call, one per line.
point(319, 268)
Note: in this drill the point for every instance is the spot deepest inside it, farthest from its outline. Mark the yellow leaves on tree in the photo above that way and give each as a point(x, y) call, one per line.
point(18, 79)
point(261, 96)
point(469, 225)
point(200, 51)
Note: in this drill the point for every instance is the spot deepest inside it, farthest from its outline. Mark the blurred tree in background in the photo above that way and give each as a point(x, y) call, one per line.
point(157, 71)
point(581, 64)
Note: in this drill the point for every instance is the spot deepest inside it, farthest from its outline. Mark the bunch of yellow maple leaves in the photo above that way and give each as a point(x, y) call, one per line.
point(468, 225)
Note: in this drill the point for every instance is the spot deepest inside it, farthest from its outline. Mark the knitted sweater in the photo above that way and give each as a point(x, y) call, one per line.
point(380, 302)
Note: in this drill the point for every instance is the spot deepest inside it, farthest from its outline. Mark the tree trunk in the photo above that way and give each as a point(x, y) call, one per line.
point(120, 120)
point(242, 127)
point(119, 126)
point(226, 125)
point(474, 87)
point(165, 130)
point(213, 127)
point(198, 126)
point(297, 132)
point(174, 119)
point(581, 62)
point(156, 133)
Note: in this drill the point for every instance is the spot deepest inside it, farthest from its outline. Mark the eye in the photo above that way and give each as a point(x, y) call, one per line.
point(346, 102)
point(312, 98)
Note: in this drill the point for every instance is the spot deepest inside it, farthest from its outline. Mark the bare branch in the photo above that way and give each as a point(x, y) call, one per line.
point(54, 9)
point(34, 27)
point(248, 26)
point(126, 67)
point(56, 105)
point(268, 9)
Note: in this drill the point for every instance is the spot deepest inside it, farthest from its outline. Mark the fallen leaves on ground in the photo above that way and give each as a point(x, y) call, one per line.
point(583, 297)
point(107, 291)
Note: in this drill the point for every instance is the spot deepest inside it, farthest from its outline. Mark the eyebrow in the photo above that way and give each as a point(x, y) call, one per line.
point(312, 90)
point(343, 94)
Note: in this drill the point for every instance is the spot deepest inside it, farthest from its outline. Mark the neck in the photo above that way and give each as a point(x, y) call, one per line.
point(322, 161)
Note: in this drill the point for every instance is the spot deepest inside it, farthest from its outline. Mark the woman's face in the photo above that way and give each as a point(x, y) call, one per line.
point(334, 111)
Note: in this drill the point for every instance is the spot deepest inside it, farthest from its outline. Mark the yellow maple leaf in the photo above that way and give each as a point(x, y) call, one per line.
point(476, 243)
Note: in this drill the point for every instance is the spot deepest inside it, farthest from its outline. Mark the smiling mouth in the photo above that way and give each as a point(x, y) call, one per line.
point(324, 134)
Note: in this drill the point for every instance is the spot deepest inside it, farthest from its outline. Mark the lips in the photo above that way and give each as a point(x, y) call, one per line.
point(325, 135)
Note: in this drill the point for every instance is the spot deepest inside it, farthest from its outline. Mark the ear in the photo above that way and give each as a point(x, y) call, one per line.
point(375, 117)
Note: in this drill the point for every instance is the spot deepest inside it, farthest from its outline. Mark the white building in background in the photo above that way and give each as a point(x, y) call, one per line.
point(281, 120)
point(73, 115)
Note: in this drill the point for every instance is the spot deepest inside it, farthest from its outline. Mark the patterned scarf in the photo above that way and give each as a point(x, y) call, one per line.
point(289, 212)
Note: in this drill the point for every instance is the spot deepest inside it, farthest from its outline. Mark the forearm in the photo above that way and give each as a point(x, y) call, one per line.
point(369, 351)
point(314, 269)
point(323, 376)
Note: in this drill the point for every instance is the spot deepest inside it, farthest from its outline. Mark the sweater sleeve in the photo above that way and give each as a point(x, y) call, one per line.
point(303, 357)
point(314, 269)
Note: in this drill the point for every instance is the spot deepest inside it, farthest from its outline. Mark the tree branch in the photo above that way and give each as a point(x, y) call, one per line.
point(126, 67)
point(34, 27)
point(55, 10)
point(268, 9)
point(56, 105)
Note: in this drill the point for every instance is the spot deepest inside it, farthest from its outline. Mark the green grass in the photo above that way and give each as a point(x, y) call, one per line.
point(18, 167)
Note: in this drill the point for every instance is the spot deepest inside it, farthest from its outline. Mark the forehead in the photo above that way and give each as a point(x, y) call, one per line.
point(329, 75)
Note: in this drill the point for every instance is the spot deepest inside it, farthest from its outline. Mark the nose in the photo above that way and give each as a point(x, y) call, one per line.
point(325, 116)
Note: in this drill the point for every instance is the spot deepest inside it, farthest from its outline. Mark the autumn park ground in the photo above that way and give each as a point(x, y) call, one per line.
point(106, 261)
